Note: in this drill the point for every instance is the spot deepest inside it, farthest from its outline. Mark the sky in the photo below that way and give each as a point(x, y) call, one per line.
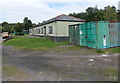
point(14, 11)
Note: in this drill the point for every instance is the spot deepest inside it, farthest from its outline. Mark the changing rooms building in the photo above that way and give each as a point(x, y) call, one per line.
point(56, 28)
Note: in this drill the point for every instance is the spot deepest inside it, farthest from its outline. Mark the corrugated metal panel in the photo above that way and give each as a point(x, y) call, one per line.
point(102, 35)
point(113, 33)
point(83, 35)
point(119, 33)
point(91, 34)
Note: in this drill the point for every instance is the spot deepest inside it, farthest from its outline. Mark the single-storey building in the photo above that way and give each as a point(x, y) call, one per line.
point(56, 28)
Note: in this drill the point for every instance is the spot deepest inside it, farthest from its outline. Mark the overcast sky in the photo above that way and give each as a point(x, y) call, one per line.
point(14, 11)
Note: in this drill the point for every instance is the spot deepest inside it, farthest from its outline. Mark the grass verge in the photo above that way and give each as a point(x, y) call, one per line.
point(110, 50)
point(34, 43)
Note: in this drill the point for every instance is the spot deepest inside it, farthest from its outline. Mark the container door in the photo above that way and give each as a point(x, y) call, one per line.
point(76, 36)
point(113, 34)
point(103, 35)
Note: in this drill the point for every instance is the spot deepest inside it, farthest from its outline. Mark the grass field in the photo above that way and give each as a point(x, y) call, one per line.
point(45, 44)
point(33, 43)
point(110, 50)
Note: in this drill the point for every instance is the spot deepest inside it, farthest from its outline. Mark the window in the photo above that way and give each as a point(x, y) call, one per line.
point(50, 29)
point(41, 30)
point(36, 31)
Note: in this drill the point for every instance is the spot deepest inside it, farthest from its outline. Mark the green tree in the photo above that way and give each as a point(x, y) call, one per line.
point(92, 13)
point(19, 27)
point(110, 13)
point(27, 24)
point(118, 18)
point(12, 29)
point(100, 15)
point(6, 27)
point(1, 28)
point(95, 14)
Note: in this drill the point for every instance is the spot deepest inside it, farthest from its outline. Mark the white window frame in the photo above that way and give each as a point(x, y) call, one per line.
point(41, 30)
point(50, 29)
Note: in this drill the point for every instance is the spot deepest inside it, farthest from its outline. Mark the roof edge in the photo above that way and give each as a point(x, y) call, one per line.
point(60, 20)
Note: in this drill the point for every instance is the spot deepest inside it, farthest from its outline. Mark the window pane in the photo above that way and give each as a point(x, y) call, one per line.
point(50, 29)
point(41, 30)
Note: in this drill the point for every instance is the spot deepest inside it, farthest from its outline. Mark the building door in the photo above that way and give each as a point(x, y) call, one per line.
point(77, 35)
point(44, 31)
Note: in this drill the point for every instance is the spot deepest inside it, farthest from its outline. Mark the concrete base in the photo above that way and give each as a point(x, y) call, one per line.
point(55, 38)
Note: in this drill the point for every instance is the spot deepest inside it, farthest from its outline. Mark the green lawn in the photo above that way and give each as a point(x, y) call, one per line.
point(34, 43)
point(45, 44)
point(110, 50)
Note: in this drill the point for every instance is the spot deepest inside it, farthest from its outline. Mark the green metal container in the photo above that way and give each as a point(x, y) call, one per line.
point(99, 35)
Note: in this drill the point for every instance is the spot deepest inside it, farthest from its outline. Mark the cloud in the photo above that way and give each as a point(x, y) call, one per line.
point(39, 10)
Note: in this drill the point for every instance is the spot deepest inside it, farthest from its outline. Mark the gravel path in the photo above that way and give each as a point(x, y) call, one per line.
point(56, 66)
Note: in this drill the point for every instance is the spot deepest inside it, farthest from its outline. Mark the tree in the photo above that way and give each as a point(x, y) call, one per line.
point(19, 27)
point(1, 29)
point(110, 13)
point(6, 27)
point(95, 14)
point(25, 20)
point(82, 15)
point(27, 24)
point(118, 15)
point(100, 15)
point(12, 29)
point(92, 13)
